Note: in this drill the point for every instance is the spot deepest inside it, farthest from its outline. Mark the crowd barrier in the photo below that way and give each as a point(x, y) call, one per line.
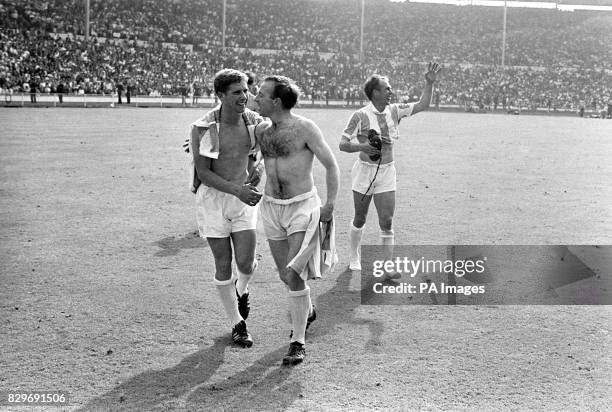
point(99, 100)
point(110, 100)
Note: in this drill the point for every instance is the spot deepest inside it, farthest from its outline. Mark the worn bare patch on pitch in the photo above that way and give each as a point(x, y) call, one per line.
point(172, 245)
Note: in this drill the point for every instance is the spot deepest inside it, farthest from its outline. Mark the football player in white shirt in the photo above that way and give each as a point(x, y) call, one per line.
point(371, 131)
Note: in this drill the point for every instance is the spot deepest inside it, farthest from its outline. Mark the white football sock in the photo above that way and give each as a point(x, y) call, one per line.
point(227, 293)
point(298, 305)
point(355, 235)
point(242, 285)
point(387, 238)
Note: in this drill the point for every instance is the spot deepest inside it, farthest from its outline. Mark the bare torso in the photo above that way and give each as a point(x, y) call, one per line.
point(234, 147)
point(288, 159)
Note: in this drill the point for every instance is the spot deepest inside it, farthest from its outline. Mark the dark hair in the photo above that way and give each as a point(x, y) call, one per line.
point(252, 78)
point(372, 83)
point(225, 77)
point(285, 89)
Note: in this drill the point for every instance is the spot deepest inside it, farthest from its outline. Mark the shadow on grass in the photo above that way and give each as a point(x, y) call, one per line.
point(264, 384)
point(338, 306)
point(172, 245)
point(153, 388)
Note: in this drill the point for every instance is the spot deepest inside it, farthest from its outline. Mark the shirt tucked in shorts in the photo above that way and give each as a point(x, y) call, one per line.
point(363, 173)
point(284, 217)
point(219, 214)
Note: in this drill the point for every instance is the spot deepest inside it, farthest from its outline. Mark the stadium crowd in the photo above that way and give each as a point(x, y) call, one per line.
point(553, 59)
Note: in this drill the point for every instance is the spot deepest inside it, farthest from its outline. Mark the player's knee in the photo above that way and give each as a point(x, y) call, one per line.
point(245, 265)
point(359, 221)
point(385, 222)
point(294, 281)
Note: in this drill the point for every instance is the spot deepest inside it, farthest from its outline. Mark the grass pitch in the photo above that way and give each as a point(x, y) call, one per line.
point(107, 293)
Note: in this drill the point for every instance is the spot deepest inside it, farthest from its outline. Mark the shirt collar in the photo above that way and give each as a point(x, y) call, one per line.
point(377, 112)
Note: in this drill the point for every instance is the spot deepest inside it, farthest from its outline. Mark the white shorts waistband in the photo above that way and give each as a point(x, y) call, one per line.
point(382, 165)
point(298, 198)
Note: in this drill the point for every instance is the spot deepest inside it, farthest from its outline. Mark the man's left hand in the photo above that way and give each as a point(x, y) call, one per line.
point(327, 212)
point(433, 68)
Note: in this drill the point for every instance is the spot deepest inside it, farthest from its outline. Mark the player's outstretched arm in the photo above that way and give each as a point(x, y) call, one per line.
point(431, 75)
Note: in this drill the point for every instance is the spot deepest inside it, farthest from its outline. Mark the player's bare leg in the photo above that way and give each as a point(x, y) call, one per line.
point(300, 304)
point(362, 204)
point(244, 252)
point(222, 252)
point(385, 207)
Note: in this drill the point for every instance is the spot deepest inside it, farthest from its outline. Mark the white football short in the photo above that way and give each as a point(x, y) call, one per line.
point(363, 173)
point(218, 213)
point(284, 217)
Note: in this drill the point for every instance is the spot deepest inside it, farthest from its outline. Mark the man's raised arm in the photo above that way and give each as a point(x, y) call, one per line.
point(433, 68)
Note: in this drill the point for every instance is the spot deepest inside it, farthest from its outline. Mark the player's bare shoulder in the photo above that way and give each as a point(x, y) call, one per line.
point(262, 128)
point(301, 121)
point(304, 126)
point(308, 129)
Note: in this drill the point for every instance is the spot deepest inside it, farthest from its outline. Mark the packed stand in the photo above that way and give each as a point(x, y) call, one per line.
point(558, 60)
